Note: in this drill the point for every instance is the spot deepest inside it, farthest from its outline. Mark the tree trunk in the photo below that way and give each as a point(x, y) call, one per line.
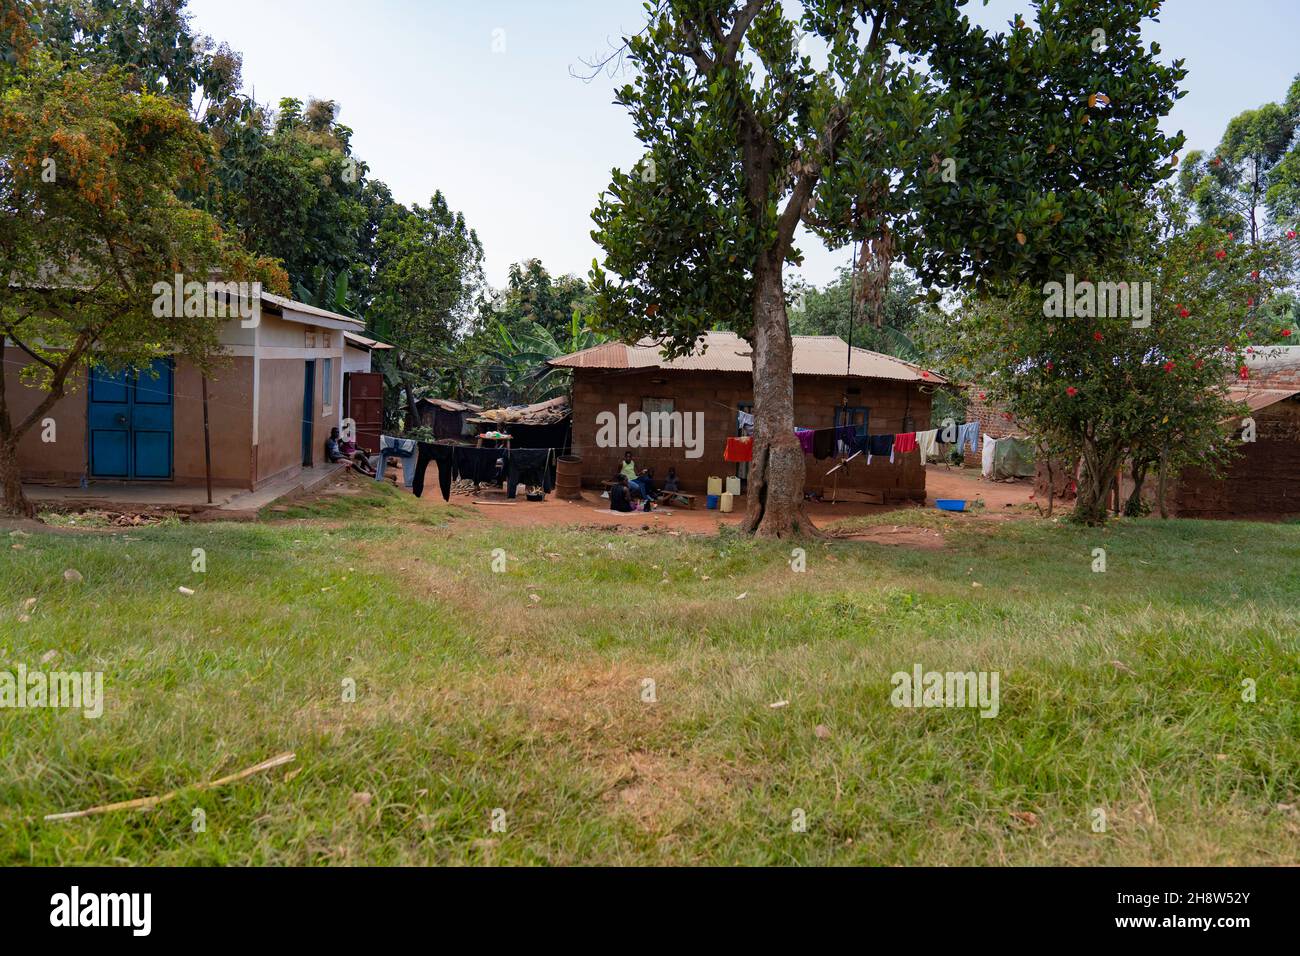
point(774, 500)
point(1133, 506)
point(15, 502)
point(1095, 484)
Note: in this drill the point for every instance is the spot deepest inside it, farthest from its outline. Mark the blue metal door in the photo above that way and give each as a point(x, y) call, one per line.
point(130, 422)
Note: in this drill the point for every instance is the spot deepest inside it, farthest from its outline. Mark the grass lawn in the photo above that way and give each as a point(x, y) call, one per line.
point(1120, 692)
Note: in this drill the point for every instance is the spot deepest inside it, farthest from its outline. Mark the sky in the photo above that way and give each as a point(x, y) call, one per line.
point(477, 99)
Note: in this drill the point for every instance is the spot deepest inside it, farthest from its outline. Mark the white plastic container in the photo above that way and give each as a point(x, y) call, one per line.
point(733, 485)
point(715, 486)
point(727, 502)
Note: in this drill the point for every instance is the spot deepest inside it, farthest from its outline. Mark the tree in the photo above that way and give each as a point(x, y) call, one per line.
point(1249, 184)
point(428, 272)
point(834, 311)
point(1093, 382)
point(533, 295)
point(291, 188)
point(90, 177)
point(968, 155)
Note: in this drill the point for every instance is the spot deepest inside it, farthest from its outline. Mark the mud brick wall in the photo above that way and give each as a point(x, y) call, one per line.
point(1263, 480)
point(717, 395)
point(995, 421)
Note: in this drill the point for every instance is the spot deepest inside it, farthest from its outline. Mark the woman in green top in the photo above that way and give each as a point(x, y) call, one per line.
point(628, 468)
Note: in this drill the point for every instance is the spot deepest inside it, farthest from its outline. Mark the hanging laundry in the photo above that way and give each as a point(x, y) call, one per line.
point(904, 442)
point(528, 466)
point(823, 443)
point(744, 420)
point(739, 449)
point(846, 439)
point(880, 445)
point(805, 436)
point(442, 455)
point(927, 443)
point(986, 460)
point(970, 431)
point(480, 465)
point(400, 448)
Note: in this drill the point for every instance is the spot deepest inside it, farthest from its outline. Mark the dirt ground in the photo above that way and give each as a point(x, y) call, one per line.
point(941, 481)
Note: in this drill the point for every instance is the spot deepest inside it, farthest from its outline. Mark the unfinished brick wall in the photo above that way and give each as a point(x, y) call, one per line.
point(995, 421)
point(717, 395)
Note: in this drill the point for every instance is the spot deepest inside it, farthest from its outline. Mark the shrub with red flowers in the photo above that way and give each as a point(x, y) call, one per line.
point(1113, 394)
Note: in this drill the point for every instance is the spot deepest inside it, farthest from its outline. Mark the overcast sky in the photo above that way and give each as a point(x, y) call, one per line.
point(475, 98)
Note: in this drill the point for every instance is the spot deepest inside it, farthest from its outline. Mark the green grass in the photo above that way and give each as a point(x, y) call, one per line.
point(1120, 691)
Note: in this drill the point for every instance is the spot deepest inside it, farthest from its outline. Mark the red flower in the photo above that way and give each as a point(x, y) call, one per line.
point(1097, 336)
point(1286, 332)
point(1220, 254)
point(1169, 366)
point(1250, 301)
point(981, 396)
point(1200, 363)
point(1243, 372)
point(1072, 391)
point(1231, 236)
point(1182, 312)
point(1050, 366)
point(1290, 233)
point(1255, 274)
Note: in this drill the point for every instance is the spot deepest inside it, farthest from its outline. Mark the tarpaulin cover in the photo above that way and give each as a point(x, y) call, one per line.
point(1013, 458)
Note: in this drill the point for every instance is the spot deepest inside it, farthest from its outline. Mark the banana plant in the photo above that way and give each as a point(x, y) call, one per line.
point(518, 372)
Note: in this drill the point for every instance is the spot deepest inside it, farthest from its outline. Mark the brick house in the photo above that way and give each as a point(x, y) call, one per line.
point(1263, 478)
point(271, 405)
point(831, 388)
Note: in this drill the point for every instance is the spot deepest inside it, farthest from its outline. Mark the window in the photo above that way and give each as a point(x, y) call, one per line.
point(853, 415)
point(652, 405)
point(327, 379)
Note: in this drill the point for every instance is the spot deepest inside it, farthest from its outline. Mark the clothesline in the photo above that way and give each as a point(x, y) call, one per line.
point(851, 440)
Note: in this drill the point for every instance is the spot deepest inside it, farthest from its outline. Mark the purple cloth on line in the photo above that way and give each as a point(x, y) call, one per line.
point(805, 436)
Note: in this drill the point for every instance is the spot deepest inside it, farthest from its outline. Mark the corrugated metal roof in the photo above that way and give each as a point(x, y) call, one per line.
point(282, 303)
point(365, 343)
point(1258, 398)
point(728, 352)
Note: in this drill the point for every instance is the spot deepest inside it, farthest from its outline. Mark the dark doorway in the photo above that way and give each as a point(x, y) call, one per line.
point(308, 412)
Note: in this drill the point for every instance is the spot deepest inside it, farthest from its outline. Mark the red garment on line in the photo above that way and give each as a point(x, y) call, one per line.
point(739, 449)
point(905, 442)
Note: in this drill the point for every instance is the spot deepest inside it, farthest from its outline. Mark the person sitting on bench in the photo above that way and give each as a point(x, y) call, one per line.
point(628, 468)
point(670, 482)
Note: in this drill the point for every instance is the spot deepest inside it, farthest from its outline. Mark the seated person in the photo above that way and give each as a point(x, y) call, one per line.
point(620, 496)
point(670, 482)
point(334, 448)
point(645, 483)
point(628, 468)
point(360, 460)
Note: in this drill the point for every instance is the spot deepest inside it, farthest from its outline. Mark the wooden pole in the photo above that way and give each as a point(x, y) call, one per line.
point(207, 443)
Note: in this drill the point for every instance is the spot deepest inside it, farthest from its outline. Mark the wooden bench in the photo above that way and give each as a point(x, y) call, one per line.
point(677, 499)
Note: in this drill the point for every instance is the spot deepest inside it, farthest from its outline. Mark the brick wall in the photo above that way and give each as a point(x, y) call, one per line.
point(716, 395)
point(1263, 480)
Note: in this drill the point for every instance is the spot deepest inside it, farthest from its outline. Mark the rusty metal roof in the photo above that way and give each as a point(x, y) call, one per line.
point(728, 352)
point(1257, 398)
